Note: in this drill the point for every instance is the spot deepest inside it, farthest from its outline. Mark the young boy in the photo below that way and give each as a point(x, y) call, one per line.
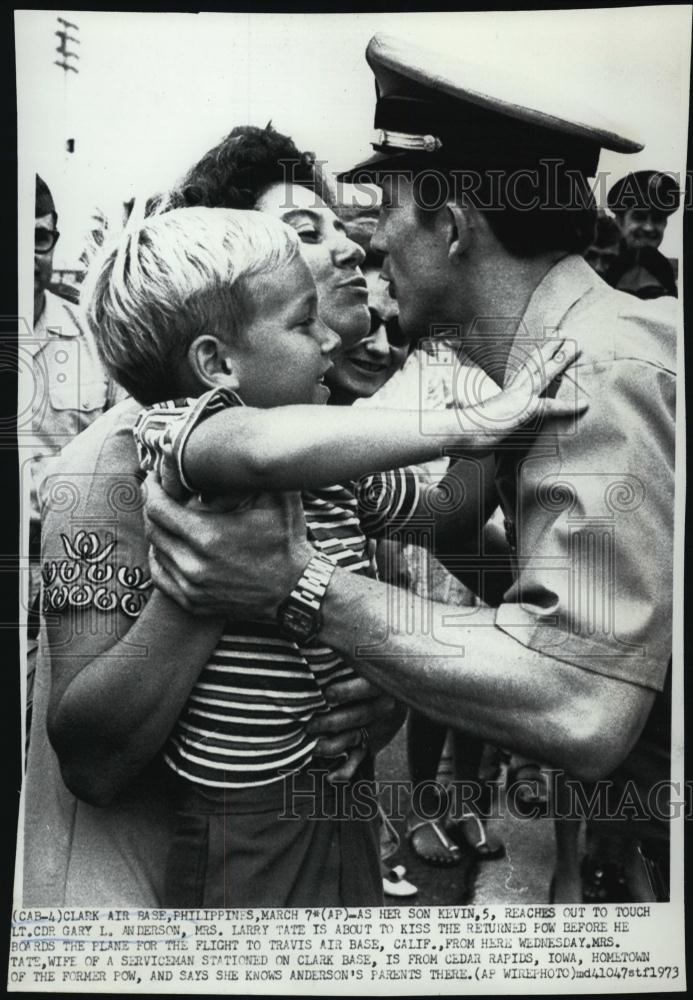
point(209, 317)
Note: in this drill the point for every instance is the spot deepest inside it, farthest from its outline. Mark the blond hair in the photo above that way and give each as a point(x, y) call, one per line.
point(169, 278)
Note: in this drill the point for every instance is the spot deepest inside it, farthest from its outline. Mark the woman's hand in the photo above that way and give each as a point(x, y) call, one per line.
point(485, 425)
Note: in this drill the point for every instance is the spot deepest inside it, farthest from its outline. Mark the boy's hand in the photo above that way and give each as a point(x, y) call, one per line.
point(238, 564)
point(487, 424)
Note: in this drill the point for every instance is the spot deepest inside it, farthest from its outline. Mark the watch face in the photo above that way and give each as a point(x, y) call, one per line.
point(300, 623)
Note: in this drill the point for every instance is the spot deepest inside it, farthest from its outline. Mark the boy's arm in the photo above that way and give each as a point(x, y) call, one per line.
point(243, 450)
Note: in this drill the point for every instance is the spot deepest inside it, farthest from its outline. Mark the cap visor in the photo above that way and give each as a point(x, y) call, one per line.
point(378, 163)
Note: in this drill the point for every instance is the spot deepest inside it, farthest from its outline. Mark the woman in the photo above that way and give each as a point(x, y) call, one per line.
point(77, 853)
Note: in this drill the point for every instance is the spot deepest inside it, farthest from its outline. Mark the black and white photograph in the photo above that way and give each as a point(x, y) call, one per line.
point(351, 462)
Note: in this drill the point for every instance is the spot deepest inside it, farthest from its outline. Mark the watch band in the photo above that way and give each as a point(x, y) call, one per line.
point(299, 615)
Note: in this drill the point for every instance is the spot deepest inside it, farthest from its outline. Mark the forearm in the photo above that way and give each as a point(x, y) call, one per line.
point(471, 676)
point(117, 711)
point(303, 447)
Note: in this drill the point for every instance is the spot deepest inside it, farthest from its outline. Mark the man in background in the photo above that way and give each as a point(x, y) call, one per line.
point(642, 203)
point(70, 390)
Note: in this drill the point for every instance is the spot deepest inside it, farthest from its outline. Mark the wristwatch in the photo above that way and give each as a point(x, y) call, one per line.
point(299, 615)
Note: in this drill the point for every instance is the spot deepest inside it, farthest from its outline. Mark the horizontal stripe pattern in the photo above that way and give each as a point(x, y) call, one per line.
point(245, 720)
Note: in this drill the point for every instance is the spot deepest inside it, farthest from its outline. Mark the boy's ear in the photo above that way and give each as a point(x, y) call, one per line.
point(460, 225)
point(211, 362)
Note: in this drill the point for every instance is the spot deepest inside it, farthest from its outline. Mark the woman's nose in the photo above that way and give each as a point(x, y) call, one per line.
point(347, 253)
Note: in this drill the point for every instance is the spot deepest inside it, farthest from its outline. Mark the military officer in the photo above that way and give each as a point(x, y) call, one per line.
point(484, 219)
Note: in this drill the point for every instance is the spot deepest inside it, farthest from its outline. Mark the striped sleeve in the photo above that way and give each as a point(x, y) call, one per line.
point(387, 500)
point(161, 432)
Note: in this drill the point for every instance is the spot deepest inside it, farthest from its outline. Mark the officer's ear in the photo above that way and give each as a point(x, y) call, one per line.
point(461, 227)
point(211, 363)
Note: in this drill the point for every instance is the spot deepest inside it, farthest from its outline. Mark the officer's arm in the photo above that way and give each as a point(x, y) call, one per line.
point(475, 677)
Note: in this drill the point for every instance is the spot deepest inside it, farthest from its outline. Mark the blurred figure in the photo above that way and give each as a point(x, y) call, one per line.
point(361, 370)
point(642, 203)
point(606, 247)
point(71, 389)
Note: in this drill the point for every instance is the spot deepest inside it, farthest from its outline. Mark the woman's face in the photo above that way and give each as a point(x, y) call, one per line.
point(331, 256)
point(361, 370)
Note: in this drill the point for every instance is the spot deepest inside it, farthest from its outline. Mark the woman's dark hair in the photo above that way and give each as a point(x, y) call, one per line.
point(236, 172)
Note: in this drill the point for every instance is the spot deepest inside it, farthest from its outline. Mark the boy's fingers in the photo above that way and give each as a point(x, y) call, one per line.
point(558, 364)
point(544, 363)
point(563, 408)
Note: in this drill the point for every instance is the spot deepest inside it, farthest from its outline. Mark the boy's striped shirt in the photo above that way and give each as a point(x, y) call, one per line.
point(245, 719)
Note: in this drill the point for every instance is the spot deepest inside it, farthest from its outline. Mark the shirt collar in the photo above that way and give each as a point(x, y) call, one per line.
point(56, 320)
point(561, 287)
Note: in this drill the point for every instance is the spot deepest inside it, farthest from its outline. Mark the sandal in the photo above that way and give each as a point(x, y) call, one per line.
point(452, 854)
point(481, 847)
point(395, 884)
point(389, 838)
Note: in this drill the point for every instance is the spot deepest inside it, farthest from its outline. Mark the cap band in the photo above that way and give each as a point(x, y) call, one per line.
point(386, 140)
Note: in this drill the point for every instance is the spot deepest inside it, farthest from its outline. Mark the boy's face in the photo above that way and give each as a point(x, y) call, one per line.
point(285, 350)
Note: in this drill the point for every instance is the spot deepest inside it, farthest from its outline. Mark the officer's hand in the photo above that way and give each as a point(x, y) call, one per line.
point(362, 717)
point(237, 564)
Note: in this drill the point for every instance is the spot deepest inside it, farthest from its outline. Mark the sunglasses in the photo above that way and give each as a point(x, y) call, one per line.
point(45, 239)
point(395, 336)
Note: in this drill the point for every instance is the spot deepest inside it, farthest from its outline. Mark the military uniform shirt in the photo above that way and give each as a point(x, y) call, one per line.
point(589, 502)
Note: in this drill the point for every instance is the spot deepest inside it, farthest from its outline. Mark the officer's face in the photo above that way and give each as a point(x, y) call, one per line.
point(416, 258)
point(642, 227)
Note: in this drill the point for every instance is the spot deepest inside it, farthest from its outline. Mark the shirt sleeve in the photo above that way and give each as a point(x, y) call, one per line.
point(162, 430)
point(591, 527)
point(387, 500)
point(93, 546)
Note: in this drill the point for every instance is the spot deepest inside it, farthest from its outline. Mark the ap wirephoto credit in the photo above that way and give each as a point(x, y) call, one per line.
point(351, 453)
